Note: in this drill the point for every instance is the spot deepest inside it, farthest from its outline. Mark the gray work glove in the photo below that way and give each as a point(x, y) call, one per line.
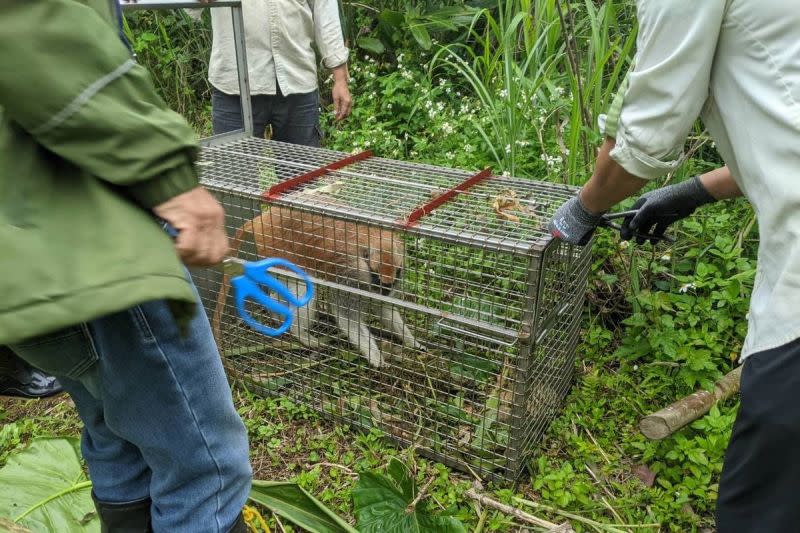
point(659, 208)
point(572, 223)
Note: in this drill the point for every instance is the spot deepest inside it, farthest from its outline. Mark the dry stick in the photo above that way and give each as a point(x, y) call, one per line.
point(517, 513)
point(572, 56)
point(667, 421)
point(578, 518)
point(420, 495)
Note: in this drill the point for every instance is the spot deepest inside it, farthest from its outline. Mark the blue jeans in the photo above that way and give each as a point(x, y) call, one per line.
point(294, 118)
point(158, 416)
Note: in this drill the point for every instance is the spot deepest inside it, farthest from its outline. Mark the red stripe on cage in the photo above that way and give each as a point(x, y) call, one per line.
point(276, 190)
point(446, 196)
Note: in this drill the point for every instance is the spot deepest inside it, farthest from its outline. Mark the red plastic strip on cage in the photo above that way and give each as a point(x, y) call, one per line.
point(446, 196)
point(276, 190)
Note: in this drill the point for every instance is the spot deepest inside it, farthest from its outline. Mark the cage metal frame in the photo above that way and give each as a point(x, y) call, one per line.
point(551, 302)
point(533, 327)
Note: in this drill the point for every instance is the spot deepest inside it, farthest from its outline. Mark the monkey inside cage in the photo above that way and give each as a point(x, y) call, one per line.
point(445, 315)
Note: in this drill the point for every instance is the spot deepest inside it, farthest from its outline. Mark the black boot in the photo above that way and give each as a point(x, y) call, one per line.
point(129, 517)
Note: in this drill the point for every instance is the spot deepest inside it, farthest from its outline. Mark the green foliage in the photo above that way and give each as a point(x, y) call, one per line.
point(175, 50)
point(295, 504)
point(391, 504)
point(44, 488)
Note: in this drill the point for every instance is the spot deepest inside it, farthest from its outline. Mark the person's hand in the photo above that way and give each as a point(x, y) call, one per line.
point(572, 223)
point(200, 222)
point(342, 101)
point(659, 208)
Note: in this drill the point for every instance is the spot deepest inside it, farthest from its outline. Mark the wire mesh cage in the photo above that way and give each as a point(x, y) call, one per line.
point(445, 315)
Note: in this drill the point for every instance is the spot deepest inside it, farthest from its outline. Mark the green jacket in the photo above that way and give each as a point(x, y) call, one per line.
point(87, 148)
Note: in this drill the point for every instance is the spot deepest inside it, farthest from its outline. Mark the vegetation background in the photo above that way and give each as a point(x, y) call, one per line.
point(518, 85)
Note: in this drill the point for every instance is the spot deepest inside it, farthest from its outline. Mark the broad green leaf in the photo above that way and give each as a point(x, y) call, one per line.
point(419, 31)
point(382, 507)
point(402, 478)
point(44, 488)
point(292, 502)
point(371, 44)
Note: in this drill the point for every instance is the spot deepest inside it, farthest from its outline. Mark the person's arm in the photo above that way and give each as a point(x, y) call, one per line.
point(74, 88)
point(666, 90)
point(330, 42)
point(720, 184)
point(342, 100)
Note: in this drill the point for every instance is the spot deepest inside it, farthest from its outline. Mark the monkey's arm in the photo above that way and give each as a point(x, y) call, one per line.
point(73, 86)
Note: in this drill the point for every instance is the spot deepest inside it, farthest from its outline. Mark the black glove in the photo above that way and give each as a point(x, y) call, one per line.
point(661, 207)
point(572, 223)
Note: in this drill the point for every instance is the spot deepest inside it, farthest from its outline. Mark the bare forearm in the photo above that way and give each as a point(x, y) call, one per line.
point(610, 183)
point(340, 74)
point(720, 184)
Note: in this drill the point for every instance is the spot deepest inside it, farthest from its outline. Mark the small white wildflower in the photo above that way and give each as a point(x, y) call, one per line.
point(506, 173)
point(666, 258)
point(508, 148)
point(442, 82)
point(503, 93)
point(447, 128)
point(450, 155)
point(623, 245)
point(367, 143)
point(389, 105)
point(636, 367)
point(468, 148)
point(686, 287)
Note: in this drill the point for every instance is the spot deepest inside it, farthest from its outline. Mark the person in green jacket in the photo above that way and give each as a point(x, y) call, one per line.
point(93, 290)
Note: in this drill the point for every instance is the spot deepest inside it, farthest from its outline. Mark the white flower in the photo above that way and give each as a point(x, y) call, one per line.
point(447, 128)
point(508, 148)
point(503, 93)
point(666, 258)
point(686, 287)
point(389, 106)
point(468, 148)
point(506, 173)
point(442, 82)
point(367, 143)
point(450, 155)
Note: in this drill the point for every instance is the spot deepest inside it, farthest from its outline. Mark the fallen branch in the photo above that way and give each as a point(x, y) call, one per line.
point(519, 514)
point(610, 528)
point(667, 421)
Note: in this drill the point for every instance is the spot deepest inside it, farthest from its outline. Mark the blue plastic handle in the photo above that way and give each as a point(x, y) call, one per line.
point(251, 285)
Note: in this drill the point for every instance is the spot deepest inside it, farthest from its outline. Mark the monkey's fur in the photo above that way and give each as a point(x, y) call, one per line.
point(348, 253)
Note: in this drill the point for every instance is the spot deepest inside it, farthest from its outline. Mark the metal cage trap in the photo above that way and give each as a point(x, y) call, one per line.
point(445, 316)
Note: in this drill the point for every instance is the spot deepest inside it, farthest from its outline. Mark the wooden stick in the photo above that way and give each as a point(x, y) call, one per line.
point(667, 421)
point(519, 513)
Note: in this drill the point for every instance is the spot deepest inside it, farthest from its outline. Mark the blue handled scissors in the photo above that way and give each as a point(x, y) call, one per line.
point(252, 280)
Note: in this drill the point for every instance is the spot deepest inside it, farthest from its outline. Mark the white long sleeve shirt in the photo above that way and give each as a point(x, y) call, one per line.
point(736, 63)
point(280, 37)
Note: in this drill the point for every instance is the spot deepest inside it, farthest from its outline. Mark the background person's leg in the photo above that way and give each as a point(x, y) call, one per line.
point(295, 119)
point(226, 113)
point(19, 379)
point(761, 475)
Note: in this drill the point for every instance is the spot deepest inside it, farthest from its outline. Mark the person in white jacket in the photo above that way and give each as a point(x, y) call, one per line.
point(281, 37)
point(735, 63)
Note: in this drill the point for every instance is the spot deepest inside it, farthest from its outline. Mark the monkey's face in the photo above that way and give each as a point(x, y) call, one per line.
point(384, 261)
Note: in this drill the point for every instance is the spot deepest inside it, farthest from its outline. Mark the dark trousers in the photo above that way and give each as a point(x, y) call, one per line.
point(760, 485)
point(294, 118)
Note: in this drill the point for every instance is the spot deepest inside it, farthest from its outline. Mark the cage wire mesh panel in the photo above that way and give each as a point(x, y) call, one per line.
point(449, 327)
